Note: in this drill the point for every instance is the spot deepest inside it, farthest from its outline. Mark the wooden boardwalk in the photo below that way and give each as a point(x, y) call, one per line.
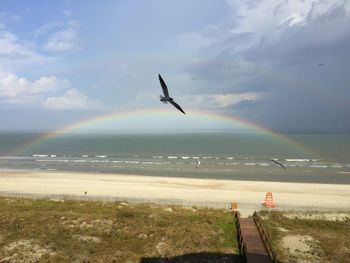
point(251, 244)
point(255, 248)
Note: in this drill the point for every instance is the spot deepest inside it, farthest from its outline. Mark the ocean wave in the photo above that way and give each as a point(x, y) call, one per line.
point(337, 166)
point(157, 163)
point(53, 155)
point(40, 155)
point(185, 157)
point(297, 160)
point(318, 166)
point(249, 164)
point(172, 157)
point(343, 172)
point(264, 164)
point(101, 156)
point(85, 156)
point(157, 156)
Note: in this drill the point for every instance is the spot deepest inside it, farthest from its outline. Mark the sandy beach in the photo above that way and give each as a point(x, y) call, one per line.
point(188, 191)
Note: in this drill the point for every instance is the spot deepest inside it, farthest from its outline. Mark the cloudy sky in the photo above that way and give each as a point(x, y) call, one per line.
point(278, 63)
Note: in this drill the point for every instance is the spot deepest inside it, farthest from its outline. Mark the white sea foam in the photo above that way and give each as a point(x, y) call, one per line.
point(40, 155)
point(185, 157)
point(172, 157)
point(264, 164)
point(53, 155)
point(319, 166)
point(249, 164)
point(132, 162)
point(343, 172)
point(158, 156)
point(297, 160)
point(230, 158)
point(85, 155)
point(337, 166)
point(79, 161)
point(101, 156)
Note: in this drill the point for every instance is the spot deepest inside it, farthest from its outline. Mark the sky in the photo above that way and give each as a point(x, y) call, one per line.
point(279, 64)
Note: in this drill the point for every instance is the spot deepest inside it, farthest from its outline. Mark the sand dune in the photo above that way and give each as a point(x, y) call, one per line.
point(204, 192)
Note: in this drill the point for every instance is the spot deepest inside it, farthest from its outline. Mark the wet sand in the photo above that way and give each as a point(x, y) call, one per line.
point(186, 191)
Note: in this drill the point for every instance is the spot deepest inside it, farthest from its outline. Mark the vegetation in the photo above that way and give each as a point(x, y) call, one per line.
point(309, 237)
point(86, 231)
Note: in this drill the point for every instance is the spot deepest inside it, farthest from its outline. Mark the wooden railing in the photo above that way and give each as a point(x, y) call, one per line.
point(264, 236)
point(240, 239)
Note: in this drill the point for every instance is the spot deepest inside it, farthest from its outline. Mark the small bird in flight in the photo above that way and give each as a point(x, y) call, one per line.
point(321, 64)
point(166, 98)
point(278, 164)
point(198, 162)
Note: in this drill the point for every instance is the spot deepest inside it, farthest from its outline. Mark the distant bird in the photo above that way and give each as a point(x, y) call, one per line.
point(193, 78)
point(198, 162)
point(321, 64)
point(166, 98)
point(272, 160)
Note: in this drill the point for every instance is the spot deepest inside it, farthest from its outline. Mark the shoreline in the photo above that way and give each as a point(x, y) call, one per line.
point(249, 195)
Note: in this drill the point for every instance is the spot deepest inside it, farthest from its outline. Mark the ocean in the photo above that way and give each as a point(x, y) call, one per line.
point(309, 157)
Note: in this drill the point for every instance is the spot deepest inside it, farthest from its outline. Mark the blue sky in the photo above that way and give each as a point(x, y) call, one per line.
point(280, 64)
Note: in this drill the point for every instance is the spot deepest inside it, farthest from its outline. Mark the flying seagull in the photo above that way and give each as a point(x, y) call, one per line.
point(198, 162)
point(278, 164)
point(166, 98)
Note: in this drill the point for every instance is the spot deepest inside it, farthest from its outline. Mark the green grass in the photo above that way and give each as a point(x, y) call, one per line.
point(78, 231)
point(332, 238)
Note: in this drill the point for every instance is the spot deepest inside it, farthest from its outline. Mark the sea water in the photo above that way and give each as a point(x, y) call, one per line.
point(318, 158)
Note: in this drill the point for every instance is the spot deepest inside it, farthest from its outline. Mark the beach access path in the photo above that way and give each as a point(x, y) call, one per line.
point(249, 195)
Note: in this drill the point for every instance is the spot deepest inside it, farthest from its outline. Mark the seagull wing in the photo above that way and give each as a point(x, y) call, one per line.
point(164, 87)
point(279, 164)
point(177, 106)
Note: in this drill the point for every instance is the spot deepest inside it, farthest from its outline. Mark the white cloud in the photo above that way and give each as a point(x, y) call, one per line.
point(63, 41)
point(12, 50)
point(18, 89)
point(71, 100)
point(42, 30)
point(194, 40)
point(222, 101)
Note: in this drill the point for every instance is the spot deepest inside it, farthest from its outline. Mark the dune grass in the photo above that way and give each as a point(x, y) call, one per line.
point(309, 236)
point(86, 231)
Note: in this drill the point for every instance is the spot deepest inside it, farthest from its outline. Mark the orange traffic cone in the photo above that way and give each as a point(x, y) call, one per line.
point(269, 201)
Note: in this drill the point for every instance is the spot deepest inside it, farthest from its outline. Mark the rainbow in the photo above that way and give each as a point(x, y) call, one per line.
point(159, 114)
